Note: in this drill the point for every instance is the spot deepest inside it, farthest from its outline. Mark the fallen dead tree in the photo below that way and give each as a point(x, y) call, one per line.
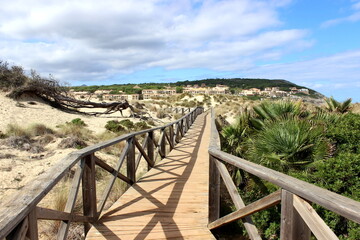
point(50, 91)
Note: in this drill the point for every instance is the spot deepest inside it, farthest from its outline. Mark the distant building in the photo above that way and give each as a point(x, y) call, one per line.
point(101, 91)
point(304, 90)
point(119, 97)
point(219, 89)
point(153, 93)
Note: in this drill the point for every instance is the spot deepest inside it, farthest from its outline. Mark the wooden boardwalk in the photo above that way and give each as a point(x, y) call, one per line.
point(171, 200)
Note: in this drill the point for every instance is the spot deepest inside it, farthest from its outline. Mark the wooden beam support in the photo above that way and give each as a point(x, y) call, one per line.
point(143, 153)
point(130, 168)
point(89, 190)
point(172, 140)
point(292, 226)
point(111, 170)
point(264, 203)
point(150, 149)
point(50, 214)
point(214, 190)
point(108, 188)
point(162, 144)
point(313, 220)
point(169, 141)
point(32, 232)
point(238, 202)
point(69, 207)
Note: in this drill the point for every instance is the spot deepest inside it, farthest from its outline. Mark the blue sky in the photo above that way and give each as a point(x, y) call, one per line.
point(311, 43)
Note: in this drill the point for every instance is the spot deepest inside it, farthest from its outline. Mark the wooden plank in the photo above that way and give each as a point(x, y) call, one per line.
point(170, 201)
point(50, 214)
point(264, 203)
point(111, 170)
point(292, 227)
point(238, 202)
point(341, 205)
point(32, 232)
point(313, 220)
point(69, 207)
point(89, 190)
point(108, 188)
point(214, 190)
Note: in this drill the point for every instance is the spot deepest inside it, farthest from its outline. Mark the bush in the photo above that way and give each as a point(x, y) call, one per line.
point(127, 123)
point(78, 122)
point(114, 126)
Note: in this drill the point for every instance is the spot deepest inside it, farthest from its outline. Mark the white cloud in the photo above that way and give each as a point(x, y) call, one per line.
point(88, 39)
point(329, 75)
point(354, 17)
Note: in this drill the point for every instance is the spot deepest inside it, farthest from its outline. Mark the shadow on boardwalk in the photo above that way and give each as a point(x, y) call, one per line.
point(170, 201)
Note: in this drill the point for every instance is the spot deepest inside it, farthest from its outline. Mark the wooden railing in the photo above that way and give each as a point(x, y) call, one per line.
point(19, 216)
point(298, 218)
point(178, 110)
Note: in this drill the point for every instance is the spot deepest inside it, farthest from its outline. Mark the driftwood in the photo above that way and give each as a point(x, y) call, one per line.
point(57, 96)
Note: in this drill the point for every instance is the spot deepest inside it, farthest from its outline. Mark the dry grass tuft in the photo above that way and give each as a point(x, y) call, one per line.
point(39, 130)
point(72, 142)
point(17, 131)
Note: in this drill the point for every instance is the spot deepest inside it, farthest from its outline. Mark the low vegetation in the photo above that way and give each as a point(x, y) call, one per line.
point(317, 145)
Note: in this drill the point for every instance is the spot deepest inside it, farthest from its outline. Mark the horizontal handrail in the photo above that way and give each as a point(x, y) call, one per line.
point(292, 188)
point(339, 204)
point(16, 209)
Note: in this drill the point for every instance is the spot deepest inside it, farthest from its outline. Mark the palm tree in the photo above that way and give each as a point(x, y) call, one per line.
point(288, 144)
point(274, 111)
point(235, 134)
point(335, 106)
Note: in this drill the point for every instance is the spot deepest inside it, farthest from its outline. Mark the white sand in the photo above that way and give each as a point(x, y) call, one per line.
point(18, 168)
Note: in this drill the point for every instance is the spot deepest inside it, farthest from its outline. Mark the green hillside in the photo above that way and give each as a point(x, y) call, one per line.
point(235, 84)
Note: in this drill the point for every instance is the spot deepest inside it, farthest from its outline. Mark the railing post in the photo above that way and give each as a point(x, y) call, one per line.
point(32, 232)
point(293, 226)
point(130, 167)
point(89, 190)
point(171, 136)
point(182, 111)
point(214, 190)
point(163, 143)
point(182, 127)
point(150, 148)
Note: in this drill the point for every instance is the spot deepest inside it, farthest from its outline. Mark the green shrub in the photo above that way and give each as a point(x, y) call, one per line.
point(78, 122)
point(114, 126)
point(127, 123)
